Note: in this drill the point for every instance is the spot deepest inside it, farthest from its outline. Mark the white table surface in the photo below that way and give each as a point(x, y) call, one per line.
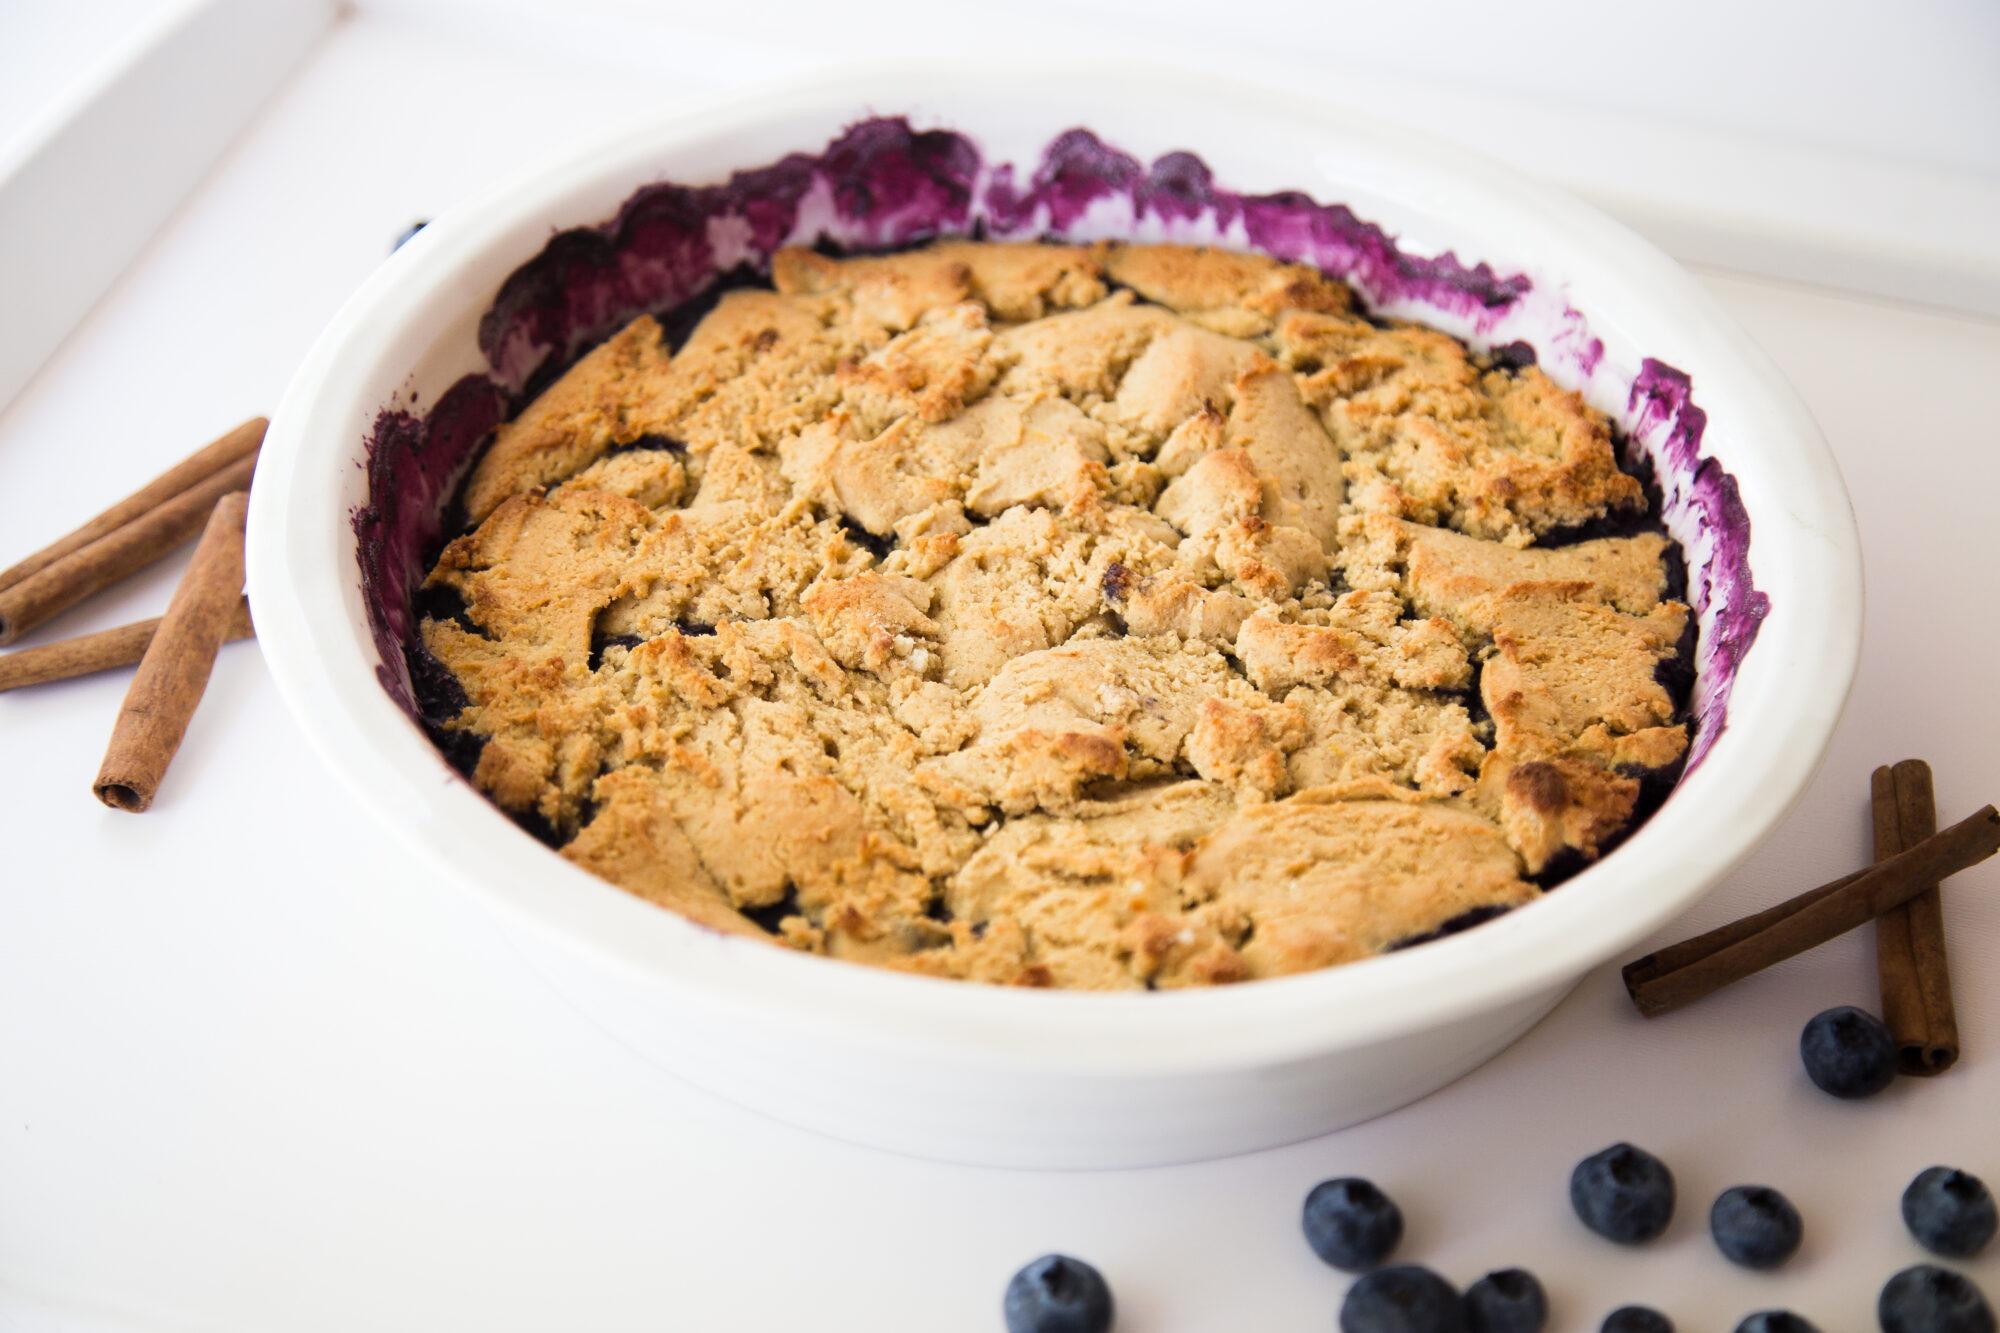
point(256, 1075)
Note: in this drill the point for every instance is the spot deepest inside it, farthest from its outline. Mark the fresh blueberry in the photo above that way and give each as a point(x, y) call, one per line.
point(1929, 1299)
point(1403, 1299)
point(1775, 1321)
point(1057, 1294)
point(1949, 1212)
point(404, 239)
point(1848, 1052)
point(1623, 1193)
point(1509, 1301)
point(1755, 1226)
point(1636, 1319)
point(1351, 1224)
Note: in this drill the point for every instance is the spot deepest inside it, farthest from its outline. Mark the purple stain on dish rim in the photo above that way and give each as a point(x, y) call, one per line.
point(882, 183)
point(414, 467)
point(1705, 511)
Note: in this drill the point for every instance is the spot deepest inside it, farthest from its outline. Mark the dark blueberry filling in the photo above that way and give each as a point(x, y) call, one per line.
point(1655, 785)
point(544, 375)
point(1676, 674)
point(677, 323)
point(1117, 582)
point(879, 547)
point(1465, 920)
point(1565, 864)
point(538, 827)
point(1613, 523)
point(440, 698)
point(1475, 704)
point(1677, 578)
point(1512, 356)
point(648, 443)
point(441, 601)
point(831, 249)
point(771, 917)
point(600, 642)
point(1638, 465)
point(1117, 586)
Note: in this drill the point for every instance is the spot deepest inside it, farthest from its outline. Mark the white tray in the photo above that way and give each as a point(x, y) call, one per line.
point(147, 97)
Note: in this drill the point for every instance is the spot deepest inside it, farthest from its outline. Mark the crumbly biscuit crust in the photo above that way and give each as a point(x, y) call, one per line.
point(1100, 617)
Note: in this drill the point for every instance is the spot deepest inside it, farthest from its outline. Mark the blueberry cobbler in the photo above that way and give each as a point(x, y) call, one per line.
point(1105, 617)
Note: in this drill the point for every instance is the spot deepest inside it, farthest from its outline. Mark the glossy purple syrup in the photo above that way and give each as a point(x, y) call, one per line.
point(882, 184)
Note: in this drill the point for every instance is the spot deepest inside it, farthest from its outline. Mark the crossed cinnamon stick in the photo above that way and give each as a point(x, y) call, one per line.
point(1909, 940)
point(1899, 892)
point(203, 493)
point(130, 535)
point(88, 654)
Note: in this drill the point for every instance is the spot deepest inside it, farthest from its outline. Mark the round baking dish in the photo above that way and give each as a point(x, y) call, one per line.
point(983, 1074)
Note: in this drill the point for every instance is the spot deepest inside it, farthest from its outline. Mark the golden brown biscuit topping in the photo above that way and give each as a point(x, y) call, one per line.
point(1101, 617)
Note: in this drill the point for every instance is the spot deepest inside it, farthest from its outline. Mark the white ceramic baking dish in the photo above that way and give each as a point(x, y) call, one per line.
point(1005, 1076)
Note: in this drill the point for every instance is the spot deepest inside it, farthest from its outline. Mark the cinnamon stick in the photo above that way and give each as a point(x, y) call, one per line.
point(87, 654)
point(1682, 973)
point(66, 581)
point(1909, 940)
point(175, 669)
point(240, 443)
